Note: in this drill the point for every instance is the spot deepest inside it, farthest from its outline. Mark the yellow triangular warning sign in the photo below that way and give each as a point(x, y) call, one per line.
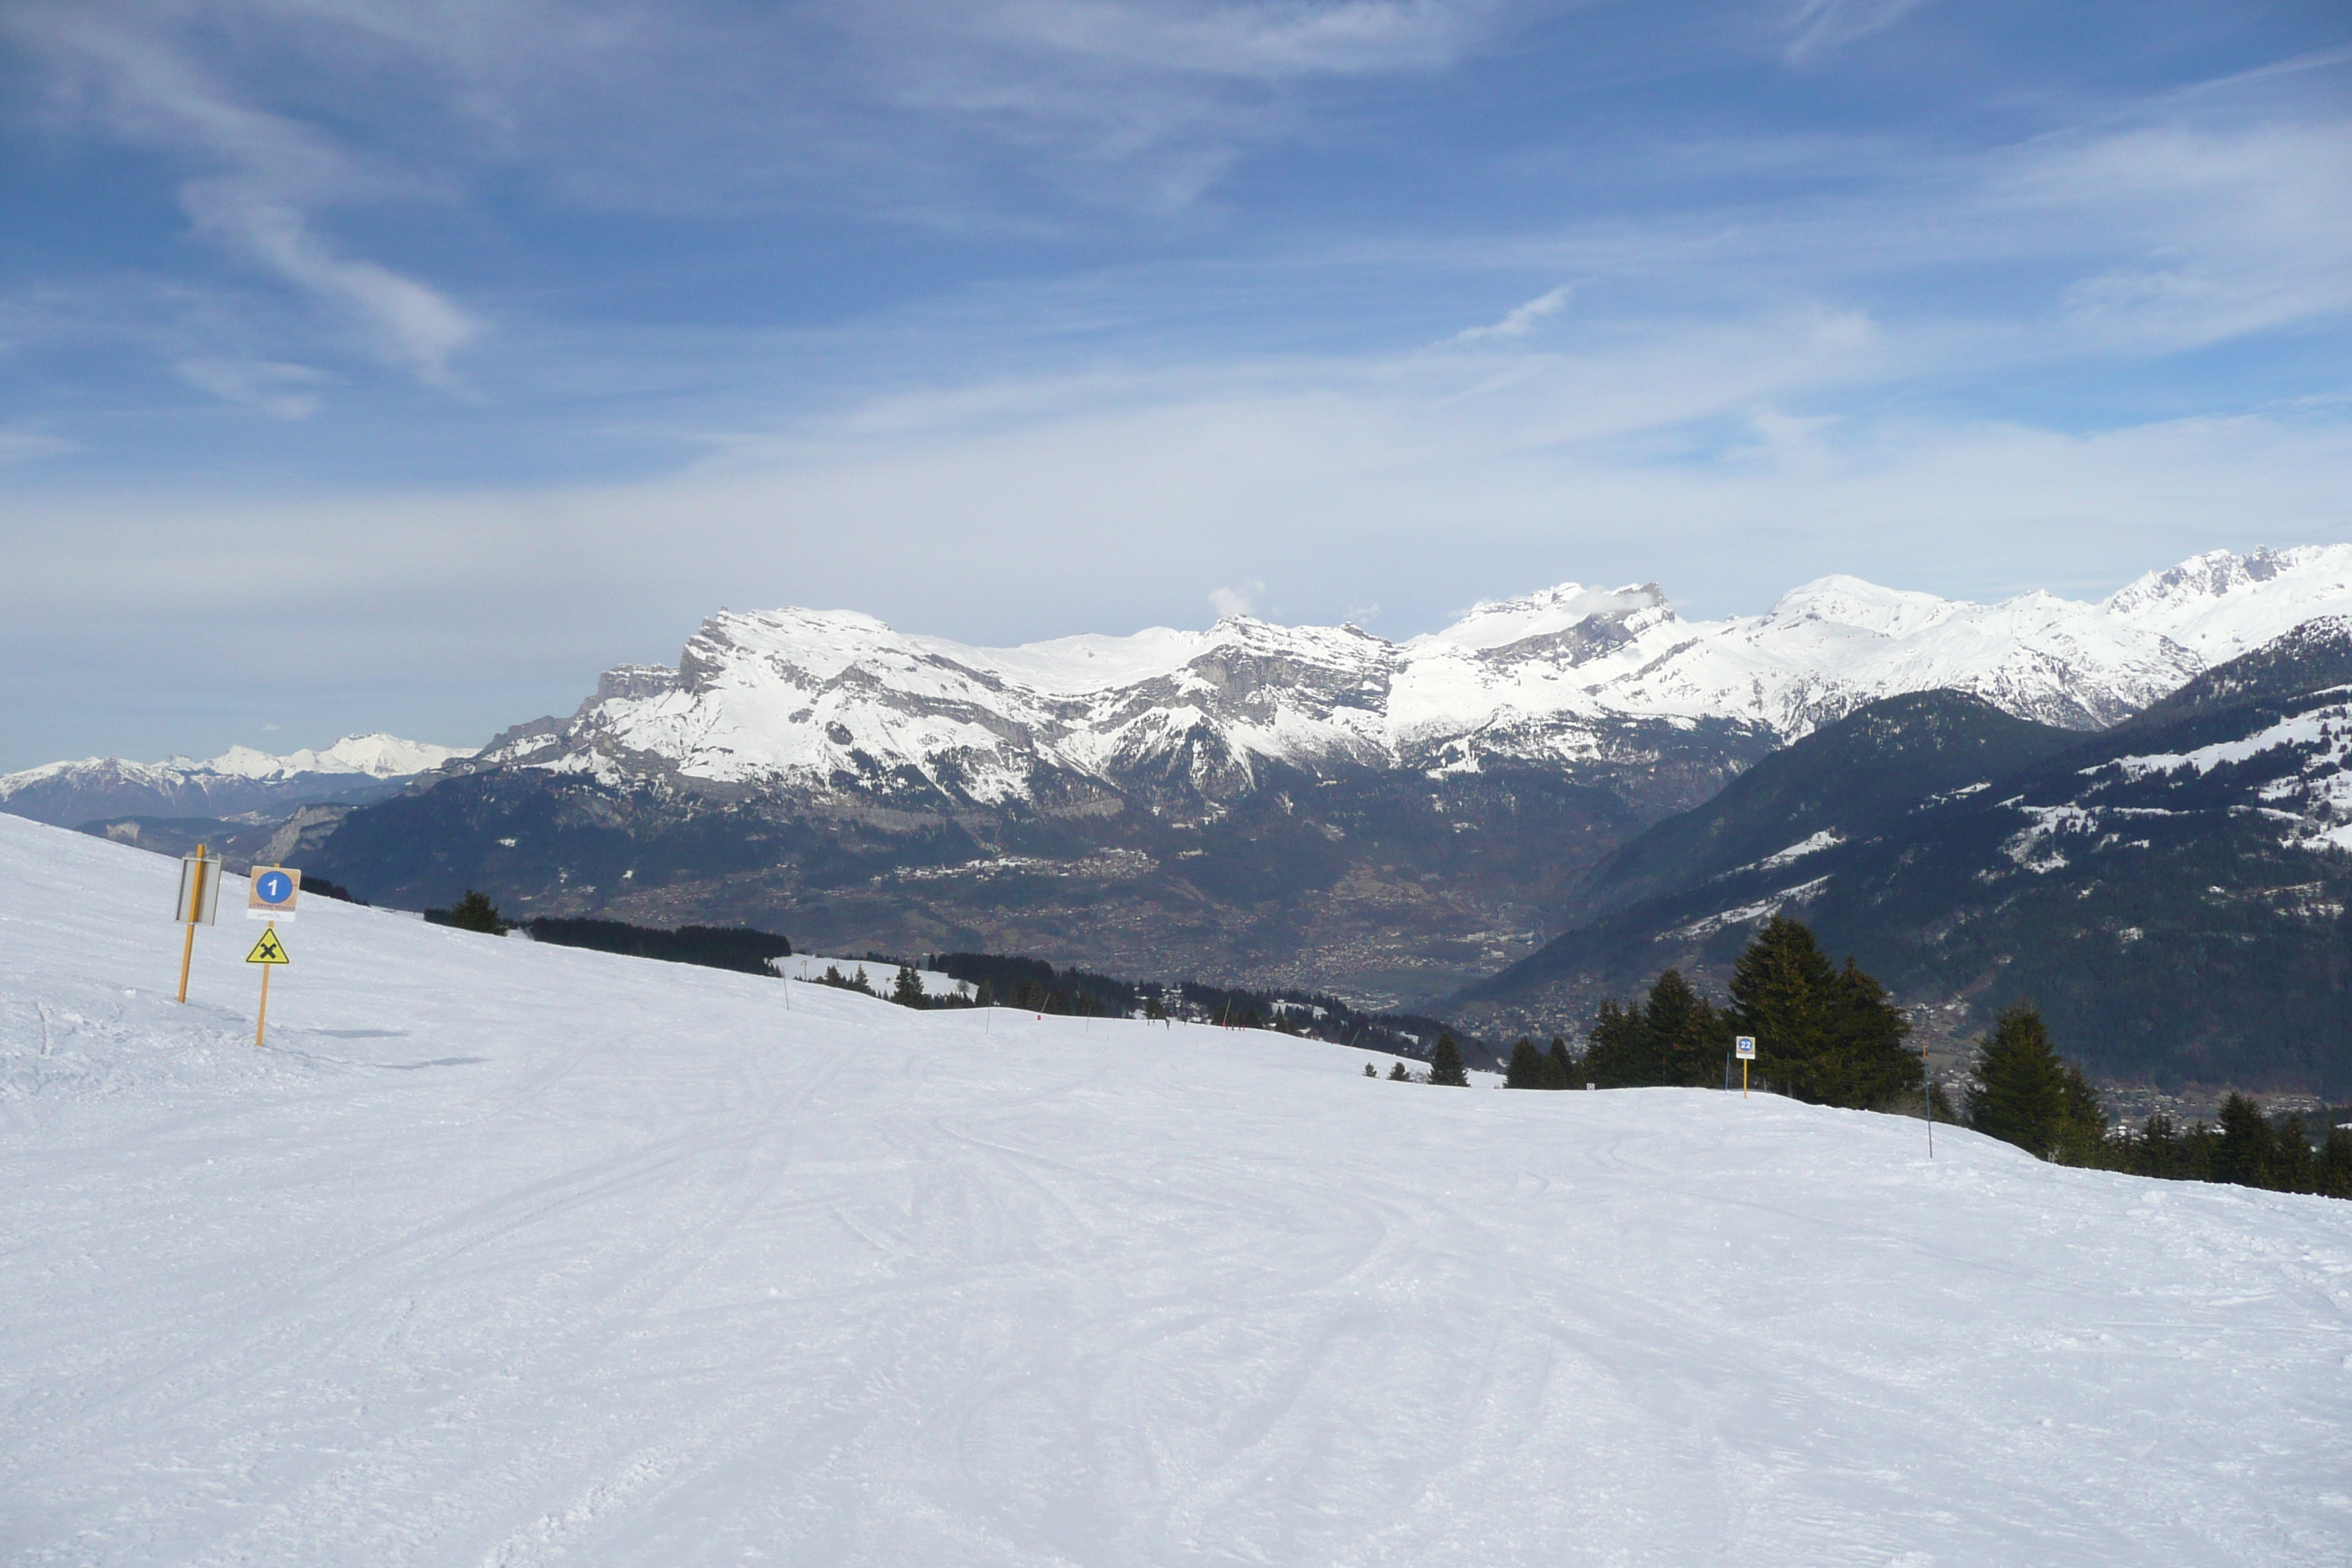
point(268, 949)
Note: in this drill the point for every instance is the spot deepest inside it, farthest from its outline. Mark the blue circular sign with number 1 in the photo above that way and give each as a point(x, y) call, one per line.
point(276, 887)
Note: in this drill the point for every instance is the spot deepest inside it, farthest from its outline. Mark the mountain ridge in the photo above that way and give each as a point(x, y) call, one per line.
point(1246, 804)
point(840, 701)
point(239, 782)
point(2171, 891)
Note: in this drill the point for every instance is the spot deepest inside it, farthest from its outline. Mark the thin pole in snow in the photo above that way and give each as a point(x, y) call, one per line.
point(1928, 1077)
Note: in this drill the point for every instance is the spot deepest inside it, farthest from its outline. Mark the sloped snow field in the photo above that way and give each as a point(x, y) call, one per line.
point(502, 1254)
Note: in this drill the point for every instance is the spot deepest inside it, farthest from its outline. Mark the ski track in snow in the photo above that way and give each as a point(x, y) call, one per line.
point(511, 1254)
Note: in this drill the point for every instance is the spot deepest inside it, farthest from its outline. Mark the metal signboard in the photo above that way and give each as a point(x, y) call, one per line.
point(200, 880)
point(272, 892)
point(1744, 1047)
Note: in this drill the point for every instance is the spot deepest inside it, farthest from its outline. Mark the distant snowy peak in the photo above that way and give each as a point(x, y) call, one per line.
point(378, 756)
point(2222, 605)
point(239, 781)
point(838, 701)
point(1507, 623)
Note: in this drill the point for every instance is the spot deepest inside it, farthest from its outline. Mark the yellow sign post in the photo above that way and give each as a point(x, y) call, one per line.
point(267, 952)
point(199, 899)
point(1746, 1045)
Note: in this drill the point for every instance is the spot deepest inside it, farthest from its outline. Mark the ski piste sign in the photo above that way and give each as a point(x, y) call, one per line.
point(271, 894)
point(1745, 1046)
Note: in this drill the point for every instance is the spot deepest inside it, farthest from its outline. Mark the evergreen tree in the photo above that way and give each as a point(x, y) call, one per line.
point(2244, 1151)
point(1618, 1049)
point(1157, 1014)
point(907, 990)
point(1672, 1036)
point(1527, 1066)
point(1822, 1034)
point(985, 997)
point(2291, 1162)
point(1865, 1063)
point(1397, 1073)
point(475, 912)
point(2083, 1125)
point(1682, 1037)
point(2333, 1176)
point(2158, 1150)
point(1445, 1066)
point(1559, 1067)
point(1781, 988)
point(1370, 1071)
point(2017, 1091)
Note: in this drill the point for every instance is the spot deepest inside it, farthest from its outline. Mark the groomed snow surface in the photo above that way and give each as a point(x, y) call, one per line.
point(506, 1254)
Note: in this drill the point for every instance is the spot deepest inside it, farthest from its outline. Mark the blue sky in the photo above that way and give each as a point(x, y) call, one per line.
point(371, 364)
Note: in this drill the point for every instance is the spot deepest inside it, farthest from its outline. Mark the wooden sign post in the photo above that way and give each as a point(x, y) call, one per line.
point(199, 900)
point(268, 952)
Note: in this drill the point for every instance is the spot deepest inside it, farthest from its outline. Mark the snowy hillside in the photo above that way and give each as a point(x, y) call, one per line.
point(517, 1254)
point(831, 700)
point(239, 780)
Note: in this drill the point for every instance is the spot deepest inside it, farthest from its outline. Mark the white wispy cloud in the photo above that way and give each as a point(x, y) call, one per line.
point(1522, 319)
point(1817, 27)
point(1236, 599)
point(23, 446)
point(128, 73)
point(404, 321)
point(286, 391)
point(1282, 38)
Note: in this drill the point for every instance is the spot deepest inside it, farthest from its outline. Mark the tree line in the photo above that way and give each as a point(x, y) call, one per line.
point(1826, 1035)
point(2021, 1092)
point(1832, 1035)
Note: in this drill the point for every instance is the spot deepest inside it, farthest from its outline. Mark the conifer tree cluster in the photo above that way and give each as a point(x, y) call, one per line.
point(1531, 1067)
point(1823, 1033)
point(1826, 1035)
point(2021, 1092)
point(834, 977)
point(1672, 1037)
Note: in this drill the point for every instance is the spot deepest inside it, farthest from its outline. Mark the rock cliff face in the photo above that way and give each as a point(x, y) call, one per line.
point(1251, 801)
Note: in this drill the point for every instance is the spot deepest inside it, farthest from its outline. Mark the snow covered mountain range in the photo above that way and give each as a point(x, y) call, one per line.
point(2171, 892)
point(831, 701)
point(239, 780)
point(1252, 802)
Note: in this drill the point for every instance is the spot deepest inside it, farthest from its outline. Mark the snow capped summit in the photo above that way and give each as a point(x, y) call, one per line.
point(829, 700)
point(378, 756)
point(1865, 606)
point(2222, 605)
point(1506, 622)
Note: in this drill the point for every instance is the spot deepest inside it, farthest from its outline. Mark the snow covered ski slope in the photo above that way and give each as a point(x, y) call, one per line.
point(506, 1254)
